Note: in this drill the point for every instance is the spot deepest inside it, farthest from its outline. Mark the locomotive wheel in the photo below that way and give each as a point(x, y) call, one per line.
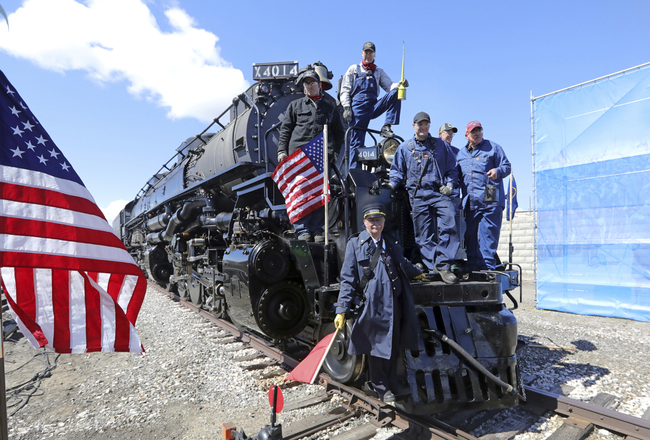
point(282, 310)
point(161, 273)
point(339, 364)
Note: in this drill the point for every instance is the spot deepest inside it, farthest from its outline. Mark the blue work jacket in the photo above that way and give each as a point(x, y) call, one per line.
point(409, 160)
point(372, 332)
point(474, 167)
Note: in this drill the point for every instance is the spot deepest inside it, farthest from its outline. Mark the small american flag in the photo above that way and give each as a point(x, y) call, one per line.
point(300, 179)
point(70, 283)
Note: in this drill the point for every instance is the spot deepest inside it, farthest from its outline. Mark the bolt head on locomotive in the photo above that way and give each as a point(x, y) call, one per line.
point(212, 226)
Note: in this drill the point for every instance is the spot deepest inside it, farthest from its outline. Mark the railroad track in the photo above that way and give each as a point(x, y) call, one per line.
point(581, 418)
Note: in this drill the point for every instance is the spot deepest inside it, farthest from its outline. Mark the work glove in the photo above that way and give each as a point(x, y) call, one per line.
point(347, 114)
point(446, 190)
point(339, 321)
point(405, 83)
point(420, 277)
point(281, 156)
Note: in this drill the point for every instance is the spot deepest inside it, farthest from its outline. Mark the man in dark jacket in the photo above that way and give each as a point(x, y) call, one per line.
point(387, 323)
point(426, 167)
point(303, 121)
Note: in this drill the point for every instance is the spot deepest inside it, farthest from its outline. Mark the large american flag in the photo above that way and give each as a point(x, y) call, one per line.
point(69, 281)
point(300, 179)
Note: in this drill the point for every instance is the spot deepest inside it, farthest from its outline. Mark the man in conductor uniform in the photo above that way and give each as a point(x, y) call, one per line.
point(375, 269)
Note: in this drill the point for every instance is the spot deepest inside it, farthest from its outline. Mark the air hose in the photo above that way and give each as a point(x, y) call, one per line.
point(473, 362)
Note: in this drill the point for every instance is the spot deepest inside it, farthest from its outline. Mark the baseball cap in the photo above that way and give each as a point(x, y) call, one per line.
point(421, 116)
point(369, 46)
point(447, 126)
point(472, 125)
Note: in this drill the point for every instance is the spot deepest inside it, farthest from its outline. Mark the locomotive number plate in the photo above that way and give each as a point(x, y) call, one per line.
point(367, 153)
point(275, 70)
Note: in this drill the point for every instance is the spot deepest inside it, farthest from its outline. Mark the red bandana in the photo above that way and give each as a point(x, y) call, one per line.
point(315, 98)
point(370, 66)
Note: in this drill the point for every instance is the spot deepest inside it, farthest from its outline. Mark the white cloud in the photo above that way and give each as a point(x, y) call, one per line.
point(115, 40)
point(113, 210)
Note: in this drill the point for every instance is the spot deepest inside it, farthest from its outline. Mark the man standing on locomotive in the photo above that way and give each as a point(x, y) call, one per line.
point(375, 269)
point(426, 166)
point(303, 121)
point(446, 133)
point(359, 93)
point(483, 166)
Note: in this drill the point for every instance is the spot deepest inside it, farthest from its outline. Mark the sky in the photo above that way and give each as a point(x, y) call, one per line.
point(119, 84)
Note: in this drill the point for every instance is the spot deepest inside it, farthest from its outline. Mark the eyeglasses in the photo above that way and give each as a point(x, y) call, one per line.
point(476, 132)
point(309, 83)
point(375, 219)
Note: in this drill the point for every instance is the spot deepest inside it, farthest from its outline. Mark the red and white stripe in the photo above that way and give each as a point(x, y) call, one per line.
point(301, 185)
point(69, 281)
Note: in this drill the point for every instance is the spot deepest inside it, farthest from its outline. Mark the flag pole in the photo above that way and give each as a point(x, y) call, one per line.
point(326, 203)
point(320, 364)
point(4, 430)
point(510, 248)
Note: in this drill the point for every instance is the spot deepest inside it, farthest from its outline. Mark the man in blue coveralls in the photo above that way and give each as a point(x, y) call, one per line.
point(359, 93)
point(426, 166)
point(483, 166)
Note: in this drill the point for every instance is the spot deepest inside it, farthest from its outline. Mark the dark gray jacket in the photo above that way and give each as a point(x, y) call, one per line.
point(304, 120)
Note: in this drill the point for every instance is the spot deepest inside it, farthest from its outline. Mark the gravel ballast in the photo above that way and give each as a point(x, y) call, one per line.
point(188, 384)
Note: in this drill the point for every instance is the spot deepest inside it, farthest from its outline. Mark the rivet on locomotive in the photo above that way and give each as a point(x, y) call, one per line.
point(212, 225)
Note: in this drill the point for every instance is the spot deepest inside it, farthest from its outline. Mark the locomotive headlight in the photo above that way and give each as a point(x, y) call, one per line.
point(262, 89)
point(389, 148)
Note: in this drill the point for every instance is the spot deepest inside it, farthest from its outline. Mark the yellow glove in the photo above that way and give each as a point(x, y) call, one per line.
point(339, 321)
point(420, 277)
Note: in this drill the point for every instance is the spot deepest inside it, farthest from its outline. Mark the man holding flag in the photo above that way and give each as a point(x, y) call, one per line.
point(69, 282)
point(376, 274)
point(300, 170)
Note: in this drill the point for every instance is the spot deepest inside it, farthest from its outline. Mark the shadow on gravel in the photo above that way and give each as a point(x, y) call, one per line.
point(546, 365)
point(583, 345)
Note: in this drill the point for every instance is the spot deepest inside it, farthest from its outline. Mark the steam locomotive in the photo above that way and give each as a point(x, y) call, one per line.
point(212, 226)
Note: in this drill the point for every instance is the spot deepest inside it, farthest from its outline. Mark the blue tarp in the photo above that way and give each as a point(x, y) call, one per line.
point(592, 178)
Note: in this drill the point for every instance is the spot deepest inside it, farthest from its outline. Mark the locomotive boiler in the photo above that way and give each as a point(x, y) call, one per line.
point(212, 226)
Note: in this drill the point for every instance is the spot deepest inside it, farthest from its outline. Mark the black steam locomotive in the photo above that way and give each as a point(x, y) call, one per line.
point(212, 225)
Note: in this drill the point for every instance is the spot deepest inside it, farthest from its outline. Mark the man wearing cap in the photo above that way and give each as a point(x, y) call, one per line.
point(375, 275)
point(426, 167)
point(483, 166)
point(359, 98)
point(446, 133)
point(303, 121)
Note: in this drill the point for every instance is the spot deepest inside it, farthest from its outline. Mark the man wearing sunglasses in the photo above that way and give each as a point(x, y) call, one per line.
point(303, 121)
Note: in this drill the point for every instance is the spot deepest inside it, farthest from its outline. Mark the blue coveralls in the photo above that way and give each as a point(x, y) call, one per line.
point(440, 169)
point(483, 219)
point(366, 107)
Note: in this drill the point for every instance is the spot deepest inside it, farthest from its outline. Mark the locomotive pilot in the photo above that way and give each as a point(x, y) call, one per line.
point(375, 269)
point(303, 121)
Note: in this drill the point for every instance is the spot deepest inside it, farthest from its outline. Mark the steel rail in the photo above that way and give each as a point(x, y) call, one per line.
point(611, 420)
